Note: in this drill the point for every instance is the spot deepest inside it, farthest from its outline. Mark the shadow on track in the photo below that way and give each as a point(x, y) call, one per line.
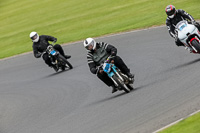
point(56, 73)
point(183, 65)
point(114, 97)
point(106, 99)
point(161, 79)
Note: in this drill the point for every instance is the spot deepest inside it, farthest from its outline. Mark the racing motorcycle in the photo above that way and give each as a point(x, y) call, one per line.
point(121, 80)
point(57, 59)
point(189, 35)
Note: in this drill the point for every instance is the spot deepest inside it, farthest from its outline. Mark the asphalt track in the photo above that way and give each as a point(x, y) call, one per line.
point(35, 99)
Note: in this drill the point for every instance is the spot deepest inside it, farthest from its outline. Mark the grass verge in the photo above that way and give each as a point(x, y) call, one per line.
point(72, 20)
point(189, 125)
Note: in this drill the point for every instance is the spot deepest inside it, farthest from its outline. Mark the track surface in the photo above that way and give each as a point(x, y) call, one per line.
point(35, 99)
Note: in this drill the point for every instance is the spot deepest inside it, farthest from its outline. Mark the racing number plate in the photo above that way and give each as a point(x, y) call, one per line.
point(53, 52)
point(106, 67)
point(181, 27)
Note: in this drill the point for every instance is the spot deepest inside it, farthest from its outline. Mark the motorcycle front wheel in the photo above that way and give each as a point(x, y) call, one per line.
point(196, 45)
point(64, 60)
point(130, 86)
point(121, 83)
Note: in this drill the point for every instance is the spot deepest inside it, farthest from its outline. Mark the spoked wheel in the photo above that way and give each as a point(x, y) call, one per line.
point(130, 86)
point(64, 60)
point(129, 82)
point(121, 84)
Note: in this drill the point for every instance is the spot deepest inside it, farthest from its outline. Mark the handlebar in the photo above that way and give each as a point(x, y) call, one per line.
point(106, 61)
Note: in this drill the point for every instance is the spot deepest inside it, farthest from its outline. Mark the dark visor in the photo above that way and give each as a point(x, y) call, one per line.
point(88, 46)
point(34, 37)
point(170, 13)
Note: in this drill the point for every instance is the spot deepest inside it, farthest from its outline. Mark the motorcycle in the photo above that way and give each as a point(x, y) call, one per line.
point(57, 59)
point(121, 80)
point(189, 35)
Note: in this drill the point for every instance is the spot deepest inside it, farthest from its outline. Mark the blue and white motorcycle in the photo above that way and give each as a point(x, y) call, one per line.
point(121, 80)
point(57, 59)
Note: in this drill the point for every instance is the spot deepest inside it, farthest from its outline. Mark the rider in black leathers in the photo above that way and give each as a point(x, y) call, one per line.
point(175, 16)
point(40, 44)
point(97, 54)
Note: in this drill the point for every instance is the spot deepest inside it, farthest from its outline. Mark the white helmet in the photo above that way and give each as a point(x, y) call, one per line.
point(89, 41)
point(34, 36)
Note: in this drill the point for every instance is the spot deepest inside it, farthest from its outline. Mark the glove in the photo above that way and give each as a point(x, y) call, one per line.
point(99, 70)
point(55, 40)
point(113, 53)
point(110, 59)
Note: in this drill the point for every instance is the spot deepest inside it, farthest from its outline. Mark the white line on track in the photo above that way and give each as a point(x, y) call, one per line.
point(173, 123)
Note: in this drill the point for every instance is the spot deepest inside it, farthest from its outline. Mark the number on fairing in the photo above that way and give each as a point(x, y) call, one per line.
point(106, 67)
point(53, 52)
point(182, 26)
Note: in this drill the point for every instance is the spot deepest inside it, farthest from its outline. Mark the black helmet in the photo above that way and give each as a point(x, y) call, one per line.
point(170, 11)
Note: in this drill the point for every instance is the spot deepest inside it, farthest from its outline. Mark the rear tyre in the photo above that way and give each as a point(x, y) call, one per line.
point(64, 60)
point(121, 84)
point(196, 44)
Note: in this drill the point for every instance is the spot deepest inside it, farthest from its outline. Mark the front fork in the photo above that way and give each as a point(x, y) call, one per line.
point(114, 82)
point(120, 77)
point(53, 59)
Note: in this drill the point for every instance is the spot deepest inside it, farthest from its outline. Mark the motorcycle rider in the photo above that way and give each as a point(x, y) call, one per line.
point(174, 17)
point(98, 52)
point(40, 44)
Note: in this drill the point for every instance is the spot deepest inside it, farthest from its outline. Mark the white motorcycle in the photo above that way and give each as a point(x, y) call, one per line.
point(189, 35)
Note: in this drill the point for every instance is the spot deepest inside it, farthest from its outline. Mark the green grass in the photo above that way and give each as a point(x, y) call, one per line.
point(189, 125)
point(72, 20)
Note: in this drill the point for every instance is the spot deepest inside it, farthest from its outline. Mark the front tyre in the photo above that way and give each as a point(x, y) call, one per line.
point(130, 86)
point(196, 45)
point(64, 60)
point(121, 84)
